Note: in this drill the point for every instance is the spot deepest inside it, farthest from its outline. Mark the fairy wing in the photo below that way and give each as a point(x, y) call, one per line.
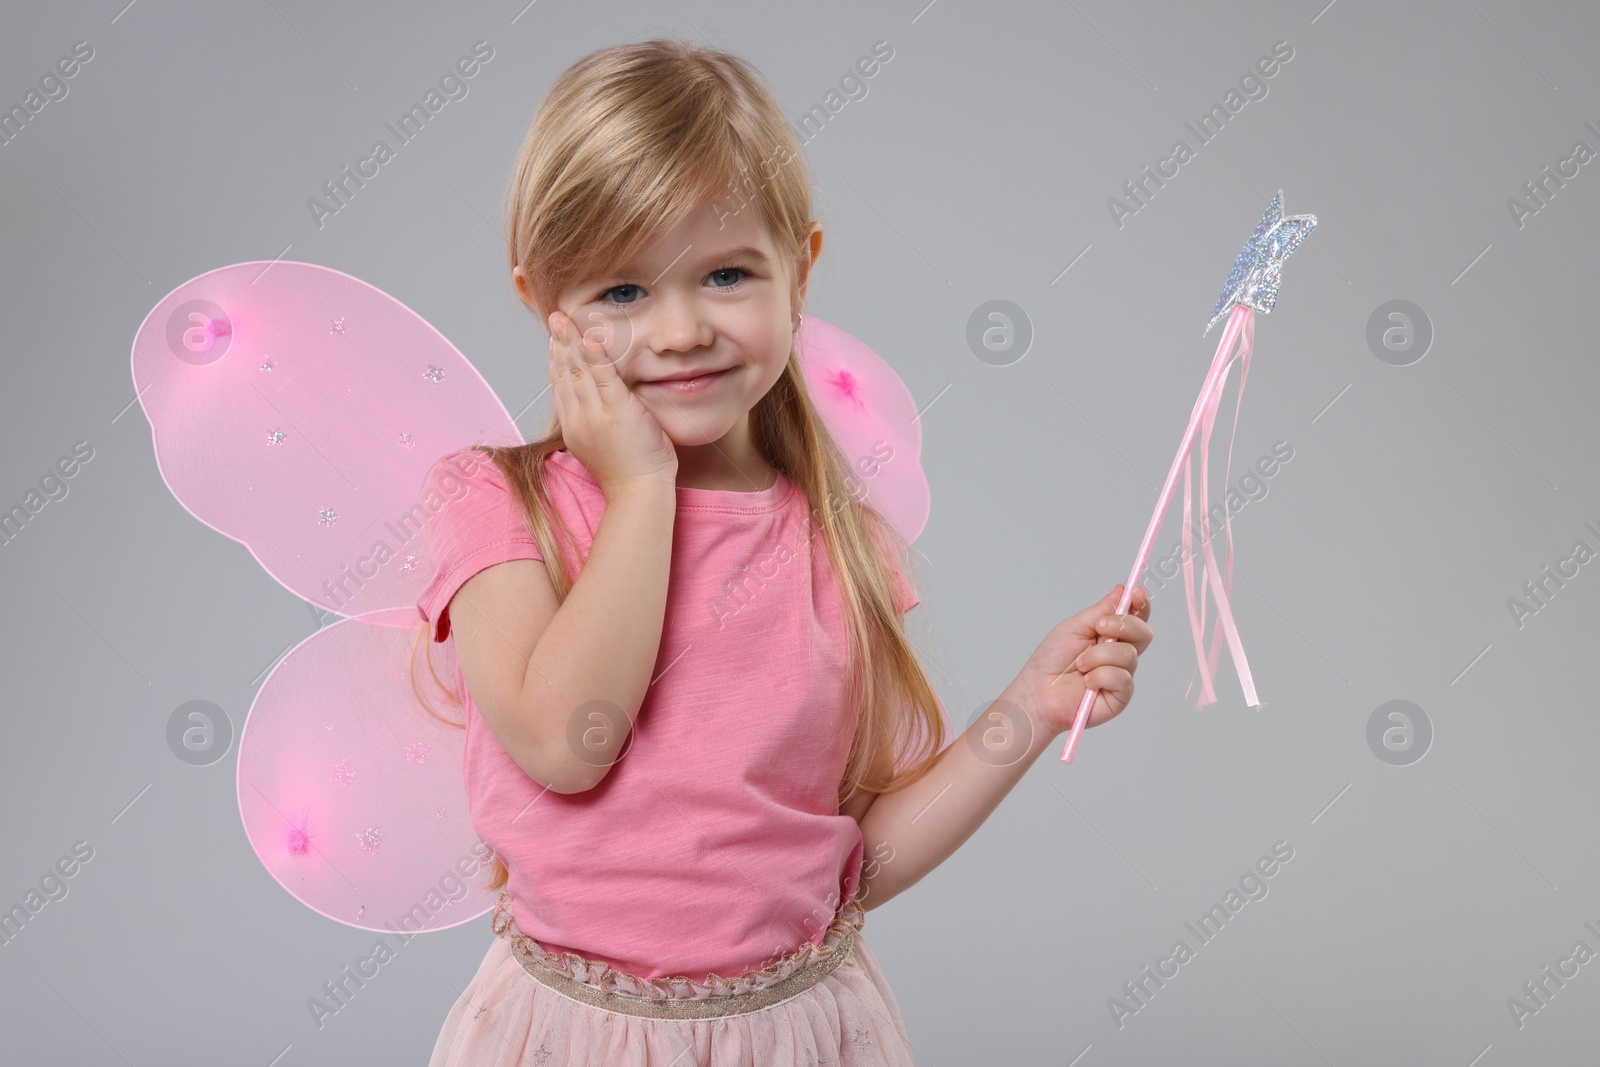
point(297, 410)
point(350, 789)
point(873, 418)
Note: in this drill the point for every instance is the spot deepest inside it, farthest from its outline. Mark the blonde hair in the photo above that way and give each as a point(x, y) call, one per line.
point(628, 141)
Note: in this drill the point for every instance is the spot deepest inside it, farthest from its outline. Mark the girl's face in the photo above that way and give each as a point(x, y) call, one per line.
point(712, 297)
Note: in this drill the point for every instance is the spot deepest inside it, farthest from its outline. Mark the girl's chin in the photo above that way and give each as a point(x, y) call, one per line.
point(691, 438)
point(694, 424)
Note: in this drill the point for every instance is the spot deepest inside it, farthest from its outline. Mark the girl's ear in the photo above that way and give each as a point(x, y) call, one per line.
point(519, 278)
point(810, 249)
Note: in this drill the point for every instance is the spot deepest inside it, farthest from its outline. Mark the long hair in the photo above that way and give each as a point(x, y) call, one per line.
point(629, 140)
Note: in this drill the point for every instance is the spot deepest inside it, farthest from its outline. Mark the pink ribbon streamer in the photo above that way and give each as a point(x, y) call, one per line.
point(1240, 329)
point(1222, 586)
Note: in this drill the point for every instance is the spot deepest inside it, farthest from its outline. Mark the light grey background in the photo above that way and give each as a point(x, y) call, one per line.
point(977, 166)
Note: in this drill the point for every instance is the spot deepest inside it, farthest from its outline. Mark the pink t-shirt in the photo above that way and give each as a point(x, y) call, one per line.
point(716, 843)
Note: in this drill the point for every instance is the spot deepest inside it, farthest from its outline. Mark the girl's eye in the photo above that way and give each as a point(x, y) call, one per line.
point(632, 290)
point(606, 298)
point(731, 270)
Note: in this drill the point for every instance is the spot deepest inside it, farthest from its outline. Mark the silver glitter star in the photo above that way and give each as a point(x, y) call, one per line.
point(1254, 279)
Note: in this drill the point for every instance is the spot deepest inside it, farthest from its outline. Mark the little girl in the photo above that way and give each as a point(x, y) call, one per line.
point(694, 796)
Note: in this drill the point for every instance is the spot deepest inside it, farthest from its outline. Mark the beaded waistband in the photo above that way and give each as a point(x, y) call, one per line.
point(680, 997)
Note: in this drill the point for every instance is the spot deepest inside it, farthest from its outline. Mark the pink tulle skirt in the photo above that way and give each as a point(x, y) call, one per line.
point(826, 1004)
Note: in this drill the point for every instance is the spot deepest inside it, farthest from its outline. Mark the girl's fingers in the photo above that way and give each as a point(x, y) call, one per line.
point(1138, 605)
point(1118, 683)
point(566, 383)
point(595, 343)
point(571, 366)
point(1114, 685)
point(1108, 678)
point(560, 392)
point(591, 346)
point(555, 362)
point(559, 387)
point(1131, 629)
point(1118, 654)
point(1117, 627)
point(603, 378)
point(587, 344)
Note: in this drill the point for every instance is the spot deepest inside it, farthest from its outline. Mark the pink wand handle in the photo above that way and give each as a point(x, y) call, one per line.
point(1208, 394)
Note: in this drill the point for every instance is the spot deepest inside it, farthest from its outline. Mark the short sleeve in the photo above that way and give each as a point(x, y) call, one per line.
point(906, 597)
point(473, 520)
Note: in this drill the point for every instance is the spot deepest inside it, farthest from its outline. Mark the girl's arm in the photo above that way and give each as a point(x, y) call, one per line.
point(549, 680)
point(909, 832)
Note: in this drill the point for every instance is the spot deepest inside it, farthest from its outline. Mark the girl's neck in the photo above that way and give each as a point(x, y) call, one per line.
point(732, 464)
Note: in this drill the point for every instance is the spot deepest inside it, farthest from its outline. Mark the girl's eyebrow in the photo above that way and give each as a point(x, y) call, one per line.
point(742, 252)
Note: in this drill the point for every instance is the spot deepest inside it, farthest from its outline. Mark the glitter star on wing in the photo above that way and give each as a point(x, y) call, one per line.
point(1254, 279)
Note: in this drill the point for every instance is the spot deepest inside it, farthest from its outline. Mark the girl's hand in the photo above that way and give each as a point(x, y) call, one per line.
point(1072, 658)
point(605, 426)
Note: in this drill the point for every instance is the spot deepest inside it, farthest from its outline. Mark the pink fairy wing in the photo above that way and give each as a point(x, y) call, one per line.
point(351, 792)
point(296, 409)
point(871, 414)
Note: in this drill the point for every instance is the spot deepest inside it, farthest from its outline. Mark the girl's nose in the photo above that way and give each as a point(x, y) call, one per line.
point(677, 323)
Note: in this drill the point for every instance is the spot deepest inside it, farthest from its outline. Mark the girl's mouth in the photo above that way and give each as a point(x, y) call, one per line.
point(692, 385)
